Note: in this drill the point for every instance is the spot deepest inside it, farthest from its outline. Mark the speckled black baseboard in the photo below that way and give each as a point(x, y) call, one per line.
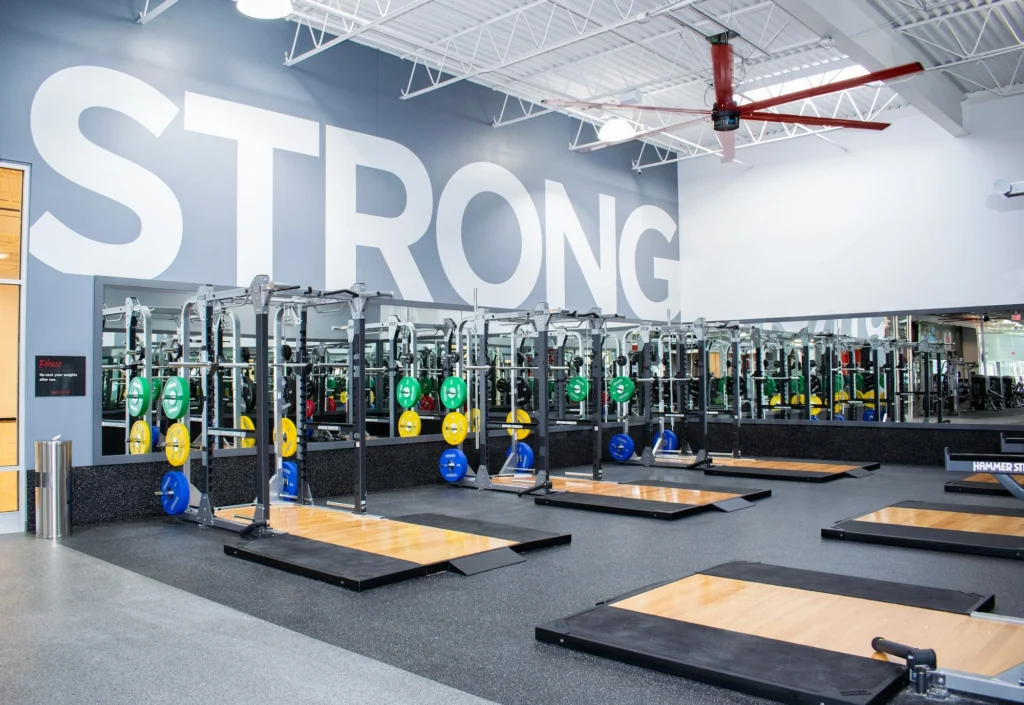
point(897, 444)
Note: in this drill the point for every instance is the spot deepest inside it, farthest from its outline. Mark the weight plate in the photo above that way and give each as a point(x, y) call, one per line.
point(344, 397)
point(524, 461)
point(428, 403)
point(176, 490)
point(838, 382)
point(409, 424)
point(621, 389)
point(246, 424)
point(816, 406)
point(177, 445)
point(474, 421)
point(453, 392)
point(769, 387)
point(310, 408)
point(520, 417)
point(141, 438)
point(775, 400)
point(332, 383)
point(798, 385)
point(289, 438)
point(797, 399)
point(669, 440)
point(842, 395)
point(176, 397)
point(454, 428)
point(332, 405)
point(621, 447)
point(453, 465)
point(870, 394)
point(839, 417)
point(289, 481)
point(139, 398)
point(408, 392)
point(578, 388)
point(426, 385)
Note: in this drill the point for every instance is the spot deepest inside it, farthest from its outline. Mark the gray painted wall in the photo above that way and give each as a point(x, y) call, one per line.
point(151, 96)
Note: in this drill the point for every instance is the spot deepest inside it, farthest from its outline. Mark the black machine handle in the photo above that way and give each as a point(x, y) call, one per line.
point(914, 657)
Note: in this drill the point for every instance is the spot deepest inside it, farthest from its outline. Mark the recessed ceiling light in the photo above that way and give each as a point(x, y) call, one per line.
point(615, 130)
point(265, 9)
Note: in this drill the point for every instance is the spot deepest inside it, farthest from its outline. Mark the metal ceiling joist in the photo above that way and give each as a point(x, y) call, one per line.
point(148, 15)
point(321, 45)
point(543, 47)
point(864, 34)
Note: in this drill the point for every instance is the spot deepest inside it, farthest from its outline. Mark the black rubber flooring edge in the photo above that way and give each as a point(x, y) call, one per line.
point(929, 598)
point(978, 544)
point(790, 673)
point(968, 487)
point(628, 506)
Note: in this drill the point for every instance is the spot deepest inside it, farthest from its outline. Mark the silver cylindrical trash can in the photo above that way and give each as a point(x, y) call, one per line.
point(53, 488)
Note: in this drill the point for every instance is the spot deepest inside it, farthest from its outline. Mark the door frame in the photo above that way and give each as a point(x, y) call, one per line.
point(11, 522)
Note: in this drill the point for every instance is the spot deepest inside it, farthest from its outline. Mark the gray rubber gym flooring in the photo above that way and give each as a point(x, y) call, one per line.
point(476, 634)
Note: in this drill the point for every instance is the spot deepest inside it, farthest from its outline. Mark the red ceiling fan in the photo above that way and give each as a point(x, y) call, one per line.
point(726, 115)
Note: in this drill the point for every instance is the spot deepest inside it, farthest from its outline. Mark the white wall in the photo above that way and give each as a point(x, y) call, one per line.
point(905, 220)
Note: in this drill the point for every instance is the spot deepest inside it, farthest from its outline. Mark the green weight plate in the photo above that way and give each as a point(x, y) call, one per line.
point(721, 385)
point(770, 387)
point(408, 392)
point(858, 382)
point(157, 386)
point(453, 392)
point(138, 397)
point(797, 386)
point(838, 382)
point(551, 386)
point(621, 389)
point(578, 388)
point(176, 397)
point(332, 383)
point(426, 385)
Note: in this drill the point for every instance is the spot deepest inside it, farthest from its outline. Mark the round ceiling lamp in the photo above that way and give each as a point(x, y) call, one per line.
point(265, 9)
point(616, 130)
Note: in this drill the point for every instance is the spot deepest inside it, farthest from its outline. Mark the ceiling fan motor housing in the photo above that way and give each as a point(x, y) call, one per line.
point(725, 120)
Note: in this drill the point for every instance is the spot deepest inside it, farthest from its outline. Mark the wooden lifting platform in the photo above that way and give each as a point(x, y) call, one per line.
point(801, 636)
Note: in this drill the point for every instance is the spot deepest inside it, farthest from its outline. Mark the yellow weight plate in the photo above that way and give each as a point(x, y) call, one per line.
point(775, 400)
point(816, 405)
point(870, 394)
point(409, 424)
point(842, 395)
point(246, 424)
point(474, 421)
point(521, 417)
point(289, 438)
point(796, 399)
point(454, 428)
point(344, 397)
point(140, 439)
point(177, 445)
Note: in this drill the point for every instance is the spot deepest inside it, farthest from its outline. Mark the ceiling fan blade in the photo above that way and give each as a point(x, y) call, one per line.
point(639, 136)
point(812, 120)
point(883, 75)
point(556, 103)
point(728, 140)
point(721, 61)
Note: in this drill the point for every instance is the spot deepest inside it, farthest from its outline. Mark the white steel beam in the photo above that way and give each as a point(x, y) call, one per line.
point(544, 48)
point(148, 15)
point(864, 34)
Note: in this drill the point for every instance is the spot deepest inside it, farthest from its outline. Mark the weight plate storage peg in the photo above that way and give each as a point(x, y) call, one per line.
point(289, 438)
point(139, 396)
point(578, 388)
point(408, 392)
point(174, 492)
point(669, 440)
point(621, 389)
point(454, 428)
point(409, 424)
point(177, 445)
point(176, 397)
point(525, 453)
point(246, 424)
point(520, 417)
point(621, 447)
point(453, 465)
point(140, 438)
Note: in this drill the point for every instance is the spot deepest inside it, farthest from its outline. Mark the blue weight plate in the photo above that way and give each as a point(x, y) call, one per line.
point(453, 465)
point(621, 447)
point(154, 436)
point(869, 415)
point(839, 417)
point(671, 440)
point(289, 478)
point(525, 452)
point(176, 492)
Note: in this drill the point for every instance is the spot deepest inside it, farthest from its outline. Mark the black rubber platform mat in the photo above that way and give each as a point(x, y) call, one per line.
point(629, 506)
point(973, 542)
point(773, 473)
point(744, 492)
point(963, 508)
point(969, 487)
point(768, 668)
point(482, 562)
point(348, 567)
point(526, 539)
point(928, 598)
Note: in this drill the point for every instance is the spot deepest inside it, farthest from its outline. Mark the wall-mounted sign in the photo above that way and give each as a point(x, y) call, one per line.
point(60, 376)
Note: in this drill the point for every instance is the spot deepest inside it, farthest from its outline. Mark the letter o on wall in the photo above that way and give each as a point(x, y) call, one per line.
point(469, 181)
